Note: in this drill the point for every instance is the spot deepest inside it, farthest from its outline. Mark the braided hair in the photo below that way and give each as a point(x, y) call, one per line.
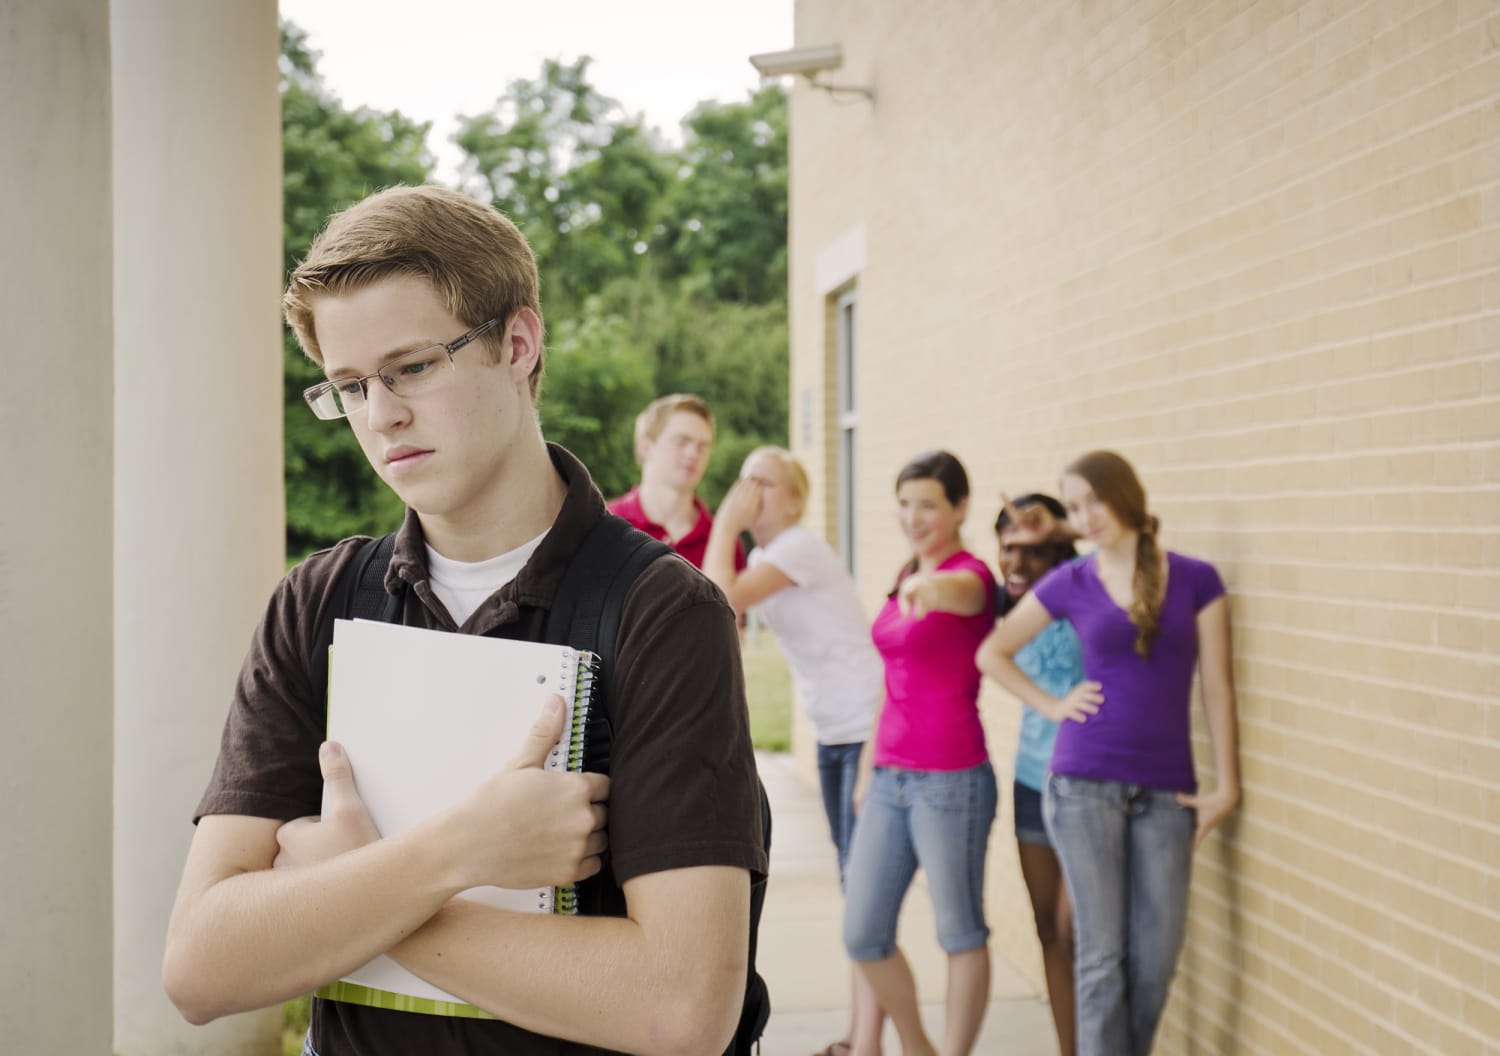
point(1116, 485)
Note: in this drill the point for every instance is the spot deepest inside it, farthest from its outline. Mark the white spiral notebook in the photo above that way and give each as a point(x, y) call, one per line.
point(424, 717)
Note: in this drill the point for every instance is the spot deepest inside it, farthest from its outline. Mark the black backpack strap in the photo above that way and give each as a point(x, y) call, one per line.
point(586, 615)
point(586, 608)
point(358, 594)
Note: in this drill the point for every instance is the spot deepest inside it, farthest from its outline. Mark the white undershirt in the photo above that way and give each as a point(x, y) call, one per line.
point(462, 586)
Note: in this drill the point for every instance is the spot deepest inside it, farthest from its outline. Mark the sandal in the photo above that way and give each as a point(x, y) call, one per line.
point(835, 1048)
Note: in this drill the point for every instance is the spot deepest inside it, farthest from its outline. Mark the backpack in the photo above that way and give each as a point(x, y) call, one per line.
point(585, 615)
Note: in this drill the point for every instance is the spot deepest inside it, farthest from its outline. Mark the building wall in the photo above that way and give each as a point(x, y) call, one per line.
point(56, 516)
point(197, 453)
point(1254, 247)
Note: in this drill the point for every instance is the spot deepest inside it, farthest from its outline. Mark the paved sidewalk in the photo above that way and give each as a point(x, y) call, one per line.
point(801, 955)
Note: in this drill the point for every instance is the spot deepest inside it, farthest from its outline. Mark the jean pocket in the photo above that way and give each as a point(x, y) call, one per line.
point(953, 790)
point(1070, 787)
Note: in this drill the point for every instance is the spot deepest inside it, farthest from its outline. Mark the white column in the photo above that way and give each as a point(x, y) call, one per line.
point(55, 613)
point(199, 524)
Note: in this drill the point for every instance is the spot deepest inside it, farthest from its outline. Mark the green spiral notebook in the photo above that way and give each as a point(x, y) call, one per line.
point(424, 717)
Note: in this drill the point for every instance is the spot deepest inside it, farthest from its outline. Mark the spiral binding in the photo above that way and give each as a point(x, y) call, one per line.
point(584, 672)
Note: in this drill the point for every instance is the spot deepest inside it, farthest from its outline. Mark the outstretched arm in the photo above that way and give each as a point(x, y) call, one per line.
point(996, 658)
point(1216, 675)
point(245, 936)
point(961, 592)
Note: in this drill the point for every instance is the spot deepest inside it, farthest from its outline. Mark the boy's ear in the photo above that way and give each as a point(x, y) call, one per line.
point(525, 343)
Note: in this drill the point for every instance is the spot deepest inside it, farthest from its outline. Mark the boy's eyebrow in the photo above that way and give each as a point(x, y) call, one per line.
point(393, 354)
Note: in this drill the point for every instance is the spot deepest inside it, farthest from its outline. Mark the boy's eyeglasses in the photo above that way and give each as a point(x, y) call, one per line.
point(409, 374)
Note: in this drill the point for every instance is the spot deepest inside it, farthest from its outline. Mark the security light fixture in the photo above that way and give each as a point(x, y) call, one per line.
point(808, 62)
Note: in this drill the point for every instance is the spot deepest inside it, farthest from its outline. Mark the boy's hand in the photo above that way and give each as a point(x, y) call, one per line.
point(529, 827)
point(344, 825)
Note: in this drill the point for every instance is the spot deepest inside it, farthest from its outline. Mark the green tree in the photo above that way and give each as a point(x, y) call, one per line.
point(331, 157)
point(580, 178)
point(723, 223)
point(663, 269)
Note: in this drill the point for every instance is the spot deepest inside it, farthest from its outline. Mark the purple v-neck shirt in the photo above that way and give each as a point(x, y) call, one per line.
point(1142, 734)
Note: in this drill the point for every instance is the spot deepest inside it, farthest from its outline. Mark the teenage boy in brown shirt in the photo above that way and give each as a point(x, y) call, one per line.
point(421, 306)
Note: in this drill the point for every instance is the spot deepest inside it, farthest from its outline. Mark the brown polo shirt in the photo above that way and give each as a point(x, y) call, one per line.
point(683, 782)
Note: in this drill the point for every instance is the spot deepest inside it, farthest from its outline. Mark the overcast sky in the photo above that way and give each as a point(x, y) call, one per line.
point(437, 58)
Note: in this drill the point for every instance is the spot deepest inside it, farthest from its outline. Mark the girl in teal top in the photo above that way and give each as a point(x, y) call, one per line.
point(1034, 539)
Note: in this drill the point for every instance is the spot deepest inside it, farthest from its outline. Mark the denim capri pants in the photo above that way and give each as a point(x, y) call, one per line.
point(939, 820)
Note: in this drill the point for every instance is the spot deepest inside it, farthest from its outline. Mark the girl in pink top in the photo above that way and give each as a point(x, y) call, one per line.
point(931, 798)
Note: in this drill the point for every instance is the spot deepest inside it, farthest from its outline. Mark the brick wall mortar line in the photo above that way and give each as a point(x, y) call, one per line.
point(1422, 649)
point(1203, 431)
point(1272, 997)
point(1220, 338)
point(1436, 852)
point(1436, 447)
point(1211, 369)
point(1282, 1001)
point(1348, 675)
point(1103, 234)
point(1366, 752)
point(1290, 966)
point(1324, 920)
point(1117, 337)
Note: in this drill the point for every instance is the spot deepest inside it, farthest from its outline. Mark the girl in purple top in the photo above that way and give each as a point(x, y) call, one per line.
point(931, 797)
point(1121, 802)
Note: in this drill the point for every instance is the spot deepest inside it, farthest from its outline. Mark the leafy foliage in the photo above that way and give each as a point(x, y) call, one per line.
point(331, 158)
point(667, 267)
point(663, 269)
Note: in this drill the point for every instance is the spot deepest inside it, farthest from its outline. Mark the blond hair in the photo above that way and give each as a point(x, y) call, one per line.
point(476, 259)
point(650, 422)
point(796, 475)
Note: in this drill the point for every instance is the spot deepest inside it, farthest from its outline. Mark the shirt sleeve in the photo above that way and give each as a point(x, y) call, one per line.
point(1055, 590)
point(1207, 585)
point(790, 553)
point(991, 591)
point(684, 790)
point(268, 753)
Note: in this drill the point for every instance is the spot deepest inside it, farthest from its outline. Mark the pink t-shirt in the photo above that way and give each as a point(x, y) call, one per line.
point(931, 716)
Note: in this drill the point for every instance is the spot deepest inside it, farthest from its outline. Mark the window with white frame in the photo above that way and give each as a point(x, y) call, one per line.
point(846, 348)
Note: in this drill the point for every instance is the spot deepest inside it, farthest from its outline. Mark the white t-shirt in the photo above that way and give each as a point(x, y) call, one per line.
point(825, 636)
point(462, 586)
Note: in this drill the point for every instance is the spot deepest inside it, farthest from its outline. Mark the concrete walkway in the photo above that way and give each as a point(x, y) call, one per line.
point(801, 955)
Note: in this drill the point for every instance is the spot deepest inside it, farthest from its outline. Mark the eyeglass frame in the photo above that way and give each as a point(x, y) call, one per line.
point(314, 393)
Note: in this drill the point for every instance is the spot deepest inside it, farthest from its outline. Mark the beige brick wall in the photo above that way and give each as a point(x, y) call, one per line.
point(1256, 248)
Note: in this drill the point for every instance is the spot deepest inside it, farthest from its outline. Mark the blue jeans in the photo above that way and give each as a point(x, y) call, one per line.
point(838, 769)
point(939, 820)
point(1126, 853)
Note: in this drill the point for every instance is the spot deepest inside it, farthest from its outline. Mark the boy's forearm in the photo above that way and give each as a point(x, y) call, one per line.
point(670, 978)
point(264, 935)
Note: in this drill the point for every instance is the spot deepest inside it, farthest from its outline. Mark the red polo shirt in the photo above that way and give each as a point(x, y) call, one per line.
point(690, 546)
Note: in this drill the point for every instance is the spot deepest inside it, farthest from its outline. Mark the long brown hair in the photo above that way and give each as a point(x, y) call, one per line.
point(1116, 485)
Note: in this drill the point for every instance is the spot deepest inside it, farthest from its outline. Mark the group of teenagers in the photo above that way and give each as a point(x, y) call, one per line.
point(1101, 651)
point(421, 306)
